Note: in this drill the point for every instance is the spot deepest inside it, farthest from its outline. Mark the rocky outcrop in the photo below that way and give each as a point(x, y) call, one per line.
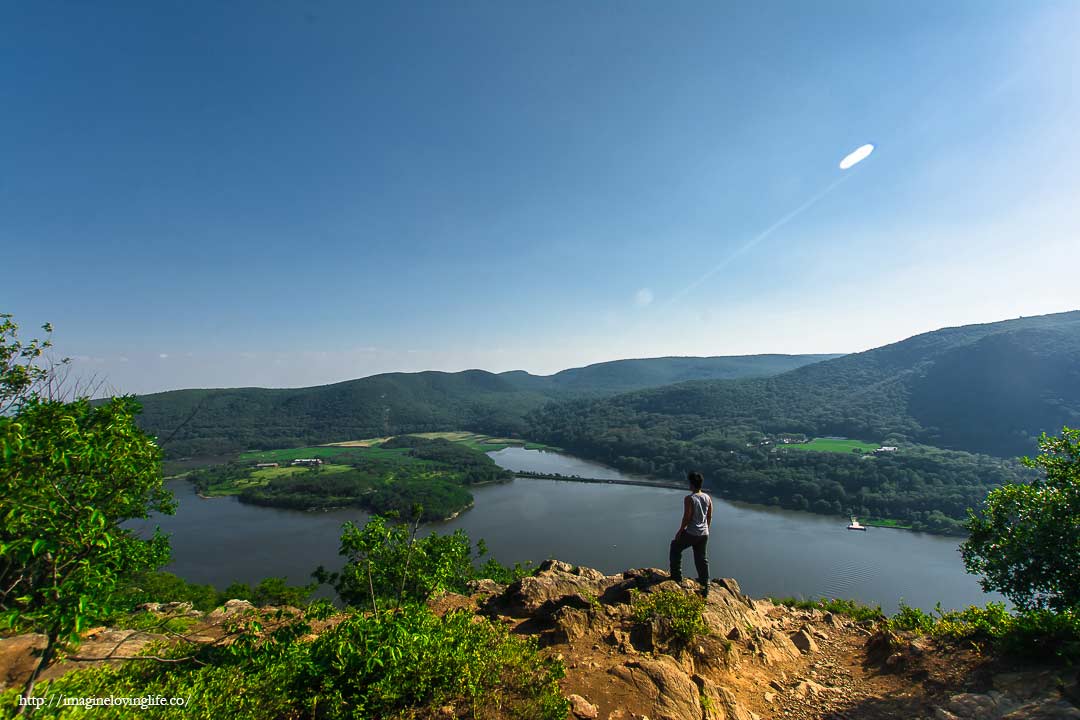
point(663, 682)
point(554, 585)
point(754, 660)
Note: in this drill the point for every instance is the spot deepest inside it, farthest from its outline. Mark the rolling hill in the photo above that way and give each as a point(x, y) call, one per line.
point(626, 375)
point(990, 388)
point(217, 421)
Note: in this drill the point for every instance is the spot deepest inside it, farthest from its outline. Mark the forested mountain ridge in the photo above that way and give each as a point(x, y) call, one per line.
point(988, 388)
point(212, 421)
point(626, 375)
point(982, 391)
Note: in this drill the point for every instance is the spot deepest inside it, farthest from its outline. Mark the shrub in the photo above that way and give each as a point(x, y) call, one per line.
point(838, 606)
point(1026, 541)
point(392, 664)
point(912, 619)
point(682, 611)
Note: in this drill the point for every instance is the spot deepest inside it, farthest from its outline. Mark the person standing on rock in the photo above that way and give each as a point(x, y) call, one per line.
point(693, 532)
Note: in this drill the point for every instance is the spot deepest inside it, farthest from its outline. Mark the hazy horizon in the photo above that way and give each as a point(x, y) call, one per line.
point(245, 195)
point(319, 362)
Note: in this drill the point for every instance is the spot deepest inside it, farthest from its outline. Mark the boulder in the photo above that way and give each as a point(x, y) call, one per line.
point(978, 705)
point(582, 708)
point(719, 703)
point(554, 585)
point(664, 683)
point(810, 689)
point(19, 655)
point(232, 608)
point(485, 586)
point(572, 624)
point(804, 641)
point(1046, 709)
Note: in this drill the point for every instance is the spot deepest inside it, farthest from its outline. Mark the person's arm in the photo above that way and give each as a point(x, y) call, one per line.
point(687, 513)
point(708, 516)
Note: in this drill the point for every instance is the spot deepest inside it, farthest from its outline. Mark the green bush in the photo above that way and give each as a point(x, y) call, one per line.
point(271, 591)
point(388, 564)
point(382, 663)
point(392, 664)
point(164, 587)
point(681, 610)
point(912, 619)
point(1030, 634)
point(838, 606)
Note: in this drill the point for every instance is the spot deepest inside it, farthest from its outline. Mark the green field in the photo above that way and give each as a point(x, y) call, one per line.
point(326, 453)
point(823, 445)
point(267, 474)
point(476, 441)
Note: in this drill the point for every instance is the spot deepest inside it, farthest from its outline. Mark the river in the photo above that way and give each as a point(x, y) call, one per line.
point(607, 526)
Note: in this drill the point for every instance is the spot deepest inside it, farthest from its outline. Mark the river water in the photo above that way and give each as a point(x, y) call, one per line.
point(607, 526)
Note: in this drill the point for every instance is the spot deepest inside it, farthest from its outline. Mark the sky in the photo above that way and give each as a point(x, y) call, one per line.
point(295, 193)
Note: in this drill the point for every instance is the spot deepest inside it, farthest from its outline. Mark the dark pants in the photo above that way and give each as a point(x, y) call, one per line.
point(701, 561)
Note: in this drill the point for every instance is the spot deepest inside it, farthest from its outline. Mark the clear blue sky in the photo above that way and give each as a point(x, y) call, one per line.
point(281, 194)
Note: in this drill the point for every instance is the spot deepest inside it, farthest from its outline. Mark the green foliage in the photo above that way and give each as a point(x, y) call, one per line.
point(270, 591)
point(838, 606)
point(388, 479)
point(912, 619)
point(163, 587)
point(71, 474)
point(21, 376)
point(388, 564)
point(150, 622)
point(392, 664)
point(1027, 634)
point(391, 660)
point(680, 610)
point(216, 422)
point(1026, 541)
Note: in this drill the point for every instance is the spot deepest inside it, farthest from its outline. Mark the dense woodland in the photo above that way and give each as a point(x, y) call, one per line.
point(215, 422)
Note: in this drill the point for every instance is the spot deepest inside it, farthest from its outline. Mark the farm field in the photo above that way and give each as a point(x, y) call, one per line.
point(267, 474)
point(827, 445)
point(476, 441)
point(325, 453)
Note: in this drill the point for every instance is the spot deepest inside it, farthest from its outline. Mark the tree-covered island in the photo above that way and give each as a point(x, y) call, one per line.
point(390, 475)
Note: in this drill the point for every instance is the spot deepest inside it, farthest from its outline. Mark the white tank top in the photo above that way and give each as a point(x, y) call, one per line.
point(699, 514)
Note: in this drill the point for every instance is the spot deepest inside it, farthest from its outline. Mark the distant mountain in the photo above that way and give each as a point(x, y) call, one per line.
point(624, 375)
point(207, 422)
point(988, 388)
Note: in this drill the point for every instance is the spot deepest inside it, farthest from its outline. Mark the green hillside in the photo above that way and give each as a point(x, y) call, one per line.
point(980, 392)
point(989, 388)
point(210, 422)
point(626, 375)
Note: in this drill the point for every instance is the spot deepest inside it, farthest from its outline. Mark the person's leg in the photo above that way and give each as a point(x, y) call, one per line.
point(701, 562)
point(675, 555)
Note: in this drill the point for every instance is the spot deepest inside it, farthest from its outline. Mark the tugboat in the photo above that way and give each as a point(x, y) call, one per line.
point(855, 524)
